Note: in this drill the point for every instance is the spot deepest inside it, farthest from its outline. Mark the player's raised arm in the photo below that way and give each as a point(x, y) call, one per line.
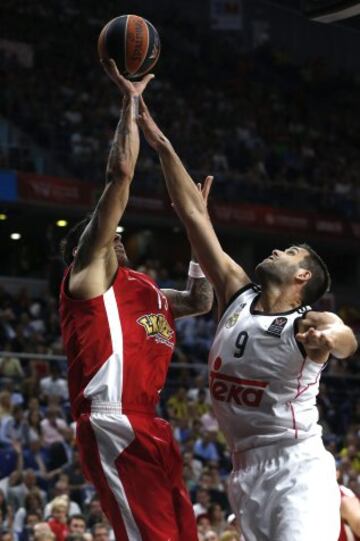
point(95, 261)
point(225, 275)
point(324, 333)
point(198, 296)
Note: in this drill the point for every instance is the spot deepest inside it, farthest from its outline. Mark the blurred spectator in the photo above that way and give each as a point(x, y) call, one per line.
point(62, 490)
point(205, 448)
point(77, 524)
point(100, 532)
point(59, 517)
point(10, 366)
point(54, 384)
point(177, 405)
point(28, 483)
point(33, 505)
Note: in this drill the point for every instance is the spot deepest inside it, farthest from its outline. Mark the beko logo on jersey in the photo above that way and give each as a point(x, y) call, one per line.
point(156, 326)
point(243, 392)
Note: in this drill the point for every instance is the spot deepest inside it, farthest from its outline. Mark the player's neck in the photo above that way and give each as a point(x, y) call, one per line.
point(275, 299)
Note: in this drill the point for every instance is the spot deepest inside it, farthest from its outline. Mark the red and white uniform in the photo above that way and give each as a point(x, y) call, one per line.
point(345, 533)
point(119, 346)
point(263, 389)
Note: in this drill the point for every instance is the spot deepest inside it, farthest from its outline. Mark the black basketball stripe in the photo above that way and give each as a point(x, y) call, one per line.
point(114, 41)
point(144, 53)
point(153, 50)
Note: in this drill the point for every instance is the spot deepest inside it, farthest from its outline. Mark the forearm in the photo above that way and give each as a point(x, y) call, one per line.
point(125, 146)
point(123, 154)
point(196, 299)
point(343, 341)
point(182, 190)
point(200, 295)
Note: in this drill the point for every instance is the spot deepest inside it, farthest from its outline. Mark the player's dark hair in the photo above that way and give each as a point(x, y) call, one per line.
point(320, 281)
point(71, 240)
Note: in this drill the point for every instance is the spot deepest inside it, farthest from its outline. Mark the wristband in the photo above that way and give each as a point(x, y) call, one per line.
point(195, 271)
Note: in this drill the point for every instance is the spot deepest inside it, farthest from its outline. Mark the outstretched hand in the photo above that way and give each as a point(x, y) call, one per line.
point(205, 188)
point(128, 88)
point(150, 129)
point(314, 339)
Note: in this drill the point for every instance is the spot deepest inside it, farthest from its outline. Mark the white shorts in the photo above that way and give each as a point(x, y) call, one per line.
point(286, 492)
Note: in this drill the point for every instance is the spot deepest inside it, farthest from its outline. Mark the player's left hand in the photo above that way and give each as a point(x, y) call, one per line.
point(314, 339)
point(128, 88)
point(152, 133)
point(205, 188)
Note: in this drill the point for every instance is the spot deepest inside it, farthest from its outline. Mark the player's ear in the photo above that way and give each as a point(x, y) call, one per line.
point(303, 275)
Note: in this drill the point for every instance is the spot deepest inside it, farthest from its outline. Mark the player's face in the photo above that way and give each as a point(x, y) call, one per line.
point(281, 266)
point(120, 251)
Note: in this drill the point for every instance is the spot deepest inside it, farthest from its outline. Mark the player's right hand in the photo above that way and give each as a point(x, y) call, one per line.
point(316, 340)
point(128, 88)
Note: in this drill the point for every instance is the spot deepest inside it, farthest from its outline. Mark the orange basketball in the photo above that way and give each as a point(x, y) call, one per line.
point(133, 42)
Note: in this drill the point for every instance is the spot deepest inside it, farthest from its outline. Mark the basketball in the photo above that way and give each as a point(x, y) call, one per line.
point(133, 43)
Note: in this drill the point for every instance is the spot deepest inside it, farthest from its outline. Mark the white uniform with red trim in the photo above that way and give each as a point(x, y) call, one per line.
point(263, 389)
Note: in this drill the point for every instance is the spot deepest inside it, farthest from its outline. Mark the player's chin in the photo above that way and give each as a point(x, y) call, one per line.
point(122, 258)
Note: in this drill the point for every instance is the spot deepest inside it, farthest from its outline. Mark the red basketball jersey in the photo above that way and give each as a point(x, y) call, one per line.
point(118, 344)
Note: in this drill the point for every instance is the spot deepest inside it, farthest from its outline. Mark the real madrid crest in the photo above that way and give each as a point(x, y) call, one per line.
point(234, 317)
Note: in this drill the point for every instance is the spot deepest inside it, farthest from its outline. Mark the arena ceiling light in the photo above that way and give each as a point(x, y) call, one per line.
point(15, 236)
point(61, 223)
point(328, 11)
point(3, 217)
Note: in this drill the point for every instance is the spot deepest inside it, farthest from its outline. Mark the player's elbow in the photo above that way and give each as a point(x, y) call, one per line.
point(118, 177)
point(354, 344)
point(204, 305)
point(348, 344)
point(355, 526)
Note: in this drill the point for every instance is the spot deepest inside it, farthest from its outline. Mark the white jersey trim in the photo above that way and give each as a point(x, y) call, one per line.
point(107, 383)
point(111, 444)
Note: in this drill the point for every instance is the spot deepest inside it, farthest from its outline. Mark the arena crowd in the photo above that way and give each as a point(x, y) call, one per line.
point(264, 126)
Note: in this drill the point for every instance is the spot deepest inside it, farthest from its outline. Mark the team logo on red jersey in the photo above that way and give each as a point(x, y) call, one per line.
point(242, 392)
point(157, 326)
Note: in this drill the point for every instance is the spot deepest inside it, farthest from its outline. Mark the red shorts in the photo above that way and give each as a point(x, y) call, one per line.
point(135, 466)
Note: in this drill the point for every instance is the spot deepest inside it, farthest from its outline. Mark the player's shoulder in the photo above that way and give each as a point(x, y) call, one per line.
point(244, 294)
point(249, 289)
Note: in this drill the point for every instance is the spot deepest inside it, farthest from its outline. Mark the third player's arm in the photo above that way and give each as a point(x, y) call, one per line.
point(225, 275)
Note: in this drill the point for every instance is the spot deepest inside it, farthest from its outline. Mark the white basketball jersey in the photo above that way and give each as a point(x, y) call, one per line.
point(263, 387)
